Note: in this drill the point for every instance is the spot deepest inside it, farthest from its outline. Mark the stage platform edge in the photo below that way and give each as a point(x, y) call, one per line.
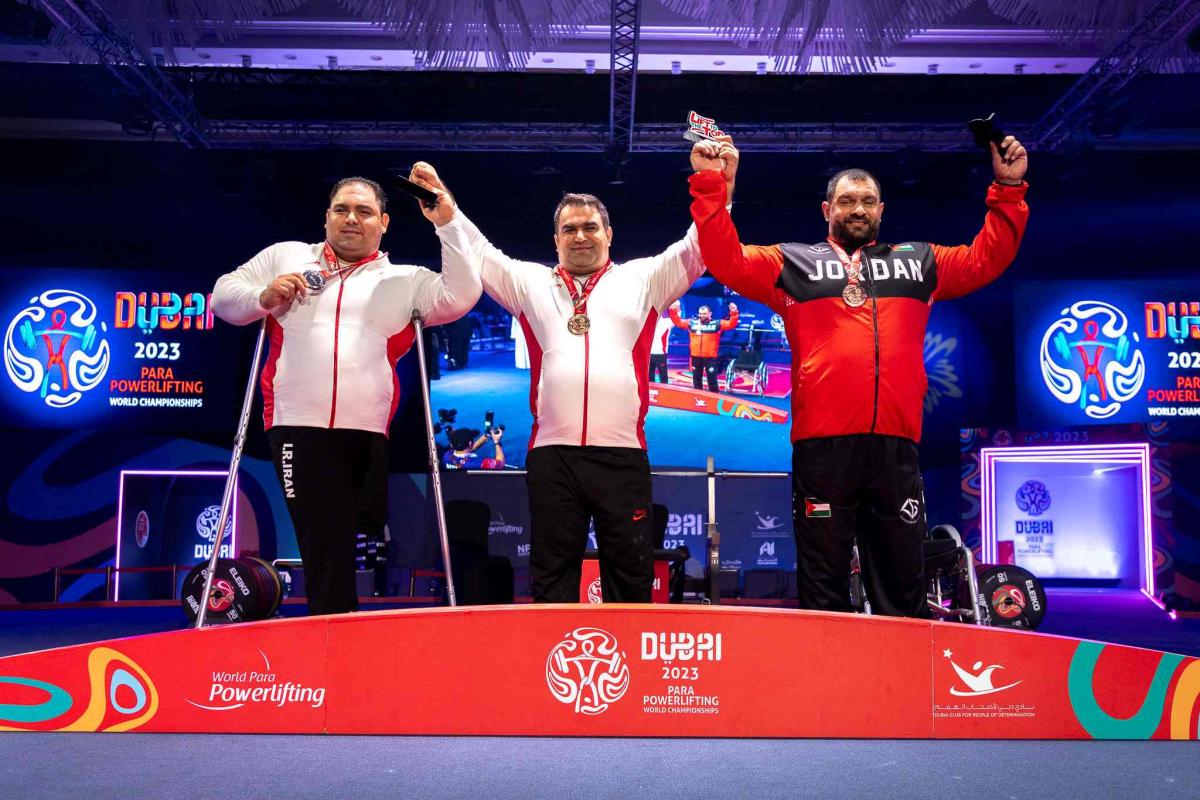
point(607, 670)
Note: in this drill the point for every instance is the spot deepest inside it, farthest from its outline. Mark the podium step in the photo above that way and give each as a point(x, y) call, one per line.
point(607, 670)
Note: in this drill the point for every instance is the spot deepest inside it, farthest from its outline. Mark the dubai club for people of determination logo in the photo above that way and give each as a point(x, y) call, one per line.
point(1033, 498)
point(53, 348)
point(587, 670)
point(1089, 359)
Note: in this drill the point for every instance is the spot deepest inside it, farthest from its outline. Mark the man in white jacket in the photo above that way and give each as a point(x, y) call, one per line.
point(589, 324)
point(339, 316)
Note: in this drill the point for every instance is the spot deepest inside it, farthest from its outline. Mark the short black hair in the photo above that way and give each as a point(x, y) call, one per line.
point(380, 194)
point(854, 174)
point(575, 199)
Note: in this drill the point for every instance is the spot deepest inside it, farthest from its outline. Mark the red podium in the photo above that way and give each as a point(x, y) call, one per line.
point(607, 670)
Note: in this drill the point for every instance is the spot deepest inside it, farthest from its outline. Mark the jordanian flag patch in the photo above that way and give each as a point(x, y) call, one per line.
point(903, 248)
point(814, 509)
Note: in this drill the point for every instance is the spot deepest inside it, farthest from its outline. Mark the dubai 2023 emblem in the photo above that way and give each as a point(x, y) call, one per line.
point(53, 348)
point(587, 670)
point(1089, 358)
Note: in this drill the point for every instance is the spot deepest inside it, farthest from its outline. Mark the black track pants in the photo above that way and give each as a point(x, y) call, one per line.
point(702, 368)
point(325, 474)
point(866, 486)
point(567, 487)
point(658, 367)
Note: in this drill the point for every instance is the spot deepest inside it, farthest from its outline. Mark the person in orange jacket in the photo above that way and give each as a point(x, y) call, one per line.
point(705, 334)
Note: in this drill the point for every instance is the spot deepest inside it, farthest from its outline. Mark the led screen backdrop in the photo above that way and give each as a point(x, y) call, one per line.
point(100, 349)
point(744, 425)
point(1090, 352)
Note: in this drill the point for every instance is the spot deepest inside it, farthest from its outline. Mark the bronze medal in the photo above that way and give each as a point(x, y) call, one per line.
point(853, 295)
point(579, 324)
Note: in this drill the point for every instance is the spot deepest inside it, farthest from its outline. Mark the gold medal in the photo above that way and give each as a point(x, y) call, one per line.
point(579, 324)
point(853, 295)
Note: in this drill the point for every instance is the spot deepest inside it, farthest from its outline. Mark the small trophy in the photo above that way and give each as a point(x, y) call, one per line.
point(701, 128)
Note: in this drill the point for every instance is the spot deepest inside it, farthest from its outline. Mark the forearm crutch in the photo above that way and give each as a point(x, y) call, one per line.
point(435, 473)
point(239, 442)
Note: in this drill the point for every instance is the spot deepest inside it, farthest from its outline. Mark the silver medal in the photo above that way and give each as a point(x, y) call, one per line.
point(314, 280)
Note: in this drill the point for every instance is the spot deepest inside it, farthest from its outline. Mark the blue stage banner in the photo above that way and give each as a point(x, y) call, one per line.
point(100, 349)
point(1091, 352)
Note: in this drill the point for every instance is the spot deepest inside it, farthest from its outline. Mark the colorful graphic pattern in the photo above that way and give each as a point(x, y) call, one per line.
point(120, 697)
point(1142, 725)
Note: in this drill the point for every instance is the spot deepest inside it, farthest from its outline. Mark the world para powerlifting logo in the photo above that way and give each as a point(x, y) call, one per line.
point(53, 348)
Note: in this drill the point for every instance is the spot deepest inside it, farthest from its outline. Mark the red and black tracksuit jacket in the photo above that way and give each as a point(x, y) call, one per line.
point(856, 370)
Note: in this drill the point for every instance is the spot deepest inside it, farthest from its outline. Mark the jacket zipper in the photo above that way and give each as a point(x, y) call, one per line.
point(586, 371)
point(875, 330)
point(337, 315)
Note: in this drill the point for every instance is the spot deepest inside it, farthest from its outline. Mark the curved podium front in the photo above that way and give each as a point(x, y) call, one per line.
point(607, 670)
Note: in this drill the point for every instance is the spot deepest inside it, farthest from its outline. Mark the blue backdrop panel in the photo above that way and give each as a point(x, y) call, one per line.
point(114, 349)
point(1090, 352)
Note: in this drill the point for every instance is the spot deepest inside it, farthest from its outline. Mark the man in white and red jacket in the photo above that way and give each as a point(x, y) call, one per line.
point(658, 348)
point(339, 317)
point(589, 324)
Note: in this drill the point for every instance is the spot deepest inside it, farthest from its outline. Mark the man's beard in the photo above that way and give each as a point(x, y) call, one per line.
point(845, 235)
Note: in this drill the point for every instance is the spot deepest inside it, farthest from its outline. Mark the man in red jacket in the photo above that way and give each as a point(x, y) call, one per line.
point(705, 341)
point(855, 311)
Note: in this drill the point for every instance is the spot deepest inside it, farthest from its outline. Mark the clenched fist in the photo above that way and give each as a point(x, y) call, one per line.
point(283, 289)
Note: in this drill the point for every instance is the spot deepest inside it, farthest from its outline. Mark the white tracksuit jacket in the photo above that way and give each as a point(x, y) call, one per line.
point(590, 389)
point(333, 356)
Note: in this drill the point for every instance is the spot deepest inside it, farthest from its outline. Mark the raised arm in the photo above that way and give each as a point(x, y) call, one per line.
point(671, 272)
point(730, 322)
point(675, 318)
point(749, 270)
point(446, 296)
point(965, 268)
point(504, 278)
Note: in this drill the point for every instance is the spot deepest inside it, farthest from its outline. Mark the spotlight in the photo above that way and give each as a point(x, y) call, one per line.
point(760, 68)
point(331, 62)
point(676, 67)
point(589, 66)
point(247, 60)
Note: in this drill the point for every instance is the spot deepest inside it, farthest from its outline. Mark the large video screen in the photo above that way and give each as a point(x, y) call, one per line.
point(740, 415)
point(1091, 352)
point(126, 349)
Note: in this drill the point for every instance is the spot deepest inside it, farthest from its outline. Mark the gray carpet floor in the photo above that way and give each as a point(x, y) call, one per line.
point(96, 766)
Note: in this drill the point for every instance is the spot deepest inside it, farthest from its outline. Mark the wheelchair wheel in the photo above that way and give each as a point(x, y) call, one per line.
point(1013, 595)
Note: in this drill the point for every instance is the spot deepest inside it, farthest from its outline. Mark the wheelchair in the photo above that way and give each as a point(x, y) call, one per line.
point(960, 590)
point(750, 364)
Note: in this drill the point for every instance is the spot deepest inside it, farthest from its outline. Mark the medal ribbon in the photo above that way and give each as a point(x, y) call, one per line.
point(331, 262)
point(853, 264)
point(579, 299)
